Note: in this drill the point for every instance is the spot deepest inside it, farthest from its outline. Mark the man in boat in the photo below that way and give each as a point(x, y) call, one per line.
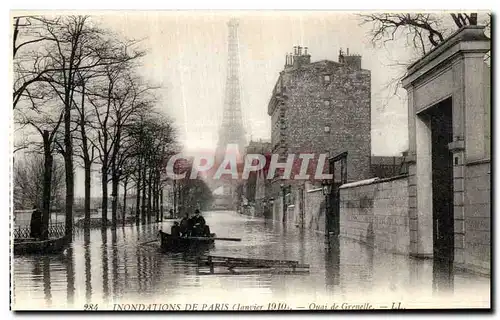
point(200, 226)
point(185, 227)
point(36, 223)
point(175, 230)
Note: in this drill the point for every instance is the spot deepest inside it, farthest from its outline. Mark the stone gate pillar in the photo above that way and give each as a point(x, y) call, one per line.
point(454, 70)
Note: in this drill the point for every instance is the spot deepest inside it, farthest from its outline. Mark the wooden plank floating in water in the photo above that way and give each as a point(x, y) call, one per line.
point(212, 238)
point(254, 271)
point(251, 265)
point(256, 265)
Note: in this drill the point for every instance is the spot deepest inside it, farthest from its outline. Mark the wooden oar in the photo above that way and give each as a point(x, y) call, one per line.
point(148, 242)
point(212, 238)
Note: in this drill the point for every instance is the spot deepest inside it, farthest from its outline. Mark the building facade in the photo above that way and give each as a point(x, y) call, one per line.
point(323, 106)
point(318, 107)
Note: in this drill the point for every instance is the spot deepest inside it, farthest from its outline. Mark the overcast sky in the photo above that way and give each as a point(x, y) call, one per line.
point(188, 57)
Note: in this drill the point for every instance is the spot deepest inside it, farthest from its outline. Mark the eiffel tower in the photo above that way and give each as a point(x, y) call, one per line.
point(231, 131)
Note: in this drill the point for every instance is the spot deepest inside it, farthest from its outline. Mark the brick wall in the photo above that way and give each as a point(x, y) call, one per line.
point(377, 213)
point(477, 217)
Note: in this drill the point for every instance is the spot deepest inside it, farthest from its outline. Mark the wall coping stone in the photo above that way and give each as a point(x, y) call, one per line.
point(371, 181)
point(478, 162)
point(314, 190)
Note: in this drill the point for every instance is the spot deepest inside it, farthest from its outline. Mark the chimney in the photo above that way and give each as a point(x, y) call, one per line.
point(300, 58)
point(352, 60)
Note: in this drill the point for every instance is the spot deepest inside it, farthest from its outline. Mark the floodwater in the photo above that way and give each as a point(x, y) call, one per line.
point(116, 270)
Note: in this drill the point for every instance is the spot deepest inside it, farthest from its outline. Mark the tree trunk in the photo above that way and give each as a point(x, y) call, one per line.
point(124, 210)
point(138, 199)
point(143, 211)
point(138, 195)
point(149, 195)
point(104, 202)
point(158, 204)
point(86, 205)
point(114, 198)
point(47, 180)
point(87, 163)
point(68, 165)
point(155, 199)
point(174, 188)
point(161, 204)
point(115, 175)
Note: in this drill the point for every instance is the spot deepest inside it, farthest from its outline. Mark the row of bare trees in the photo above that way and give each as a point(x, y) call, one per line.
point(78, 95)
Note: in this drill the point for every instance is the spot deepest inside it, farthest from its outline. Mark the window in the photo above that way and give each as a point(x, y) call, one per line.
point(327, 78)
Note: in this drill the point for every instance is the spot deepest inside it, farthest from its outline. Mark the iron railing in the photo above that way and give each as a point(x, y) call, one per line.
point(56, 230)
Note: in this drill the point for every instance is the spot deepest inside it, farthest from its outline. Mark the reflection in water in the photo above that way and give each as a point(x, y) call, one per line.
point(442, 276)
point(88, 266)
point(141, 274)
point(46, 280)
point(104, 249)
point(332, 264)
point(370, 254)
point(70, 276)
point(114, 262)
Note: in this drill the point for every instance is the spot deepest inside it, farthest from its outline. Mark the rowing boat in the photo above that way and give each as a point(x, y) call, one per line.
point(29, 246)
point(170, 243)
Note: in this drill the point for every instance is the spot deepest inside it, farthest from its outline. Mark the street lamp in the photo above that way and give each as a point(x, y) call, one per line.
point(327, 186)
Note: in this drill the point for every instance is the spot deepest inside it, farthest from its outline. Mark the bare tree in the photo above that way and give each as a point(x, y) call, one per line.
point(115, 101)
point(45, 117)
point(153, 141)
point(423, 30)
point(30, 65)
point(86, 151)
point(29, 182)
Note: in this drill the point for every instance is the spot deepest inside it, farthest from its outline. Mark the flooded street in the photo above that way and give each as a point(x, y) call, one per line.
point(111, 267)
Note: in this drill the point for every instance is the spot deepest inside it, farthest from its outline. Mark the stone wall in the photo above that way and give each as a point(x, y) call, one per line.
point(305, 207)
point(477, 211)
point(376, 212)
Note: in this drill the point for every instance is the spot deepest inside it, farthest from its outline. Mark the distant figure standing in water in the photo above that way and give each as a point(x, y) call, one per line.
point(36, 223)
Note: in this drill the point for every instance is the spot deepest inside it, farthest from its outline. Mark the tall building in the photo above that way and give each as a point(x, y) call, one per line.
point(321, 107)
